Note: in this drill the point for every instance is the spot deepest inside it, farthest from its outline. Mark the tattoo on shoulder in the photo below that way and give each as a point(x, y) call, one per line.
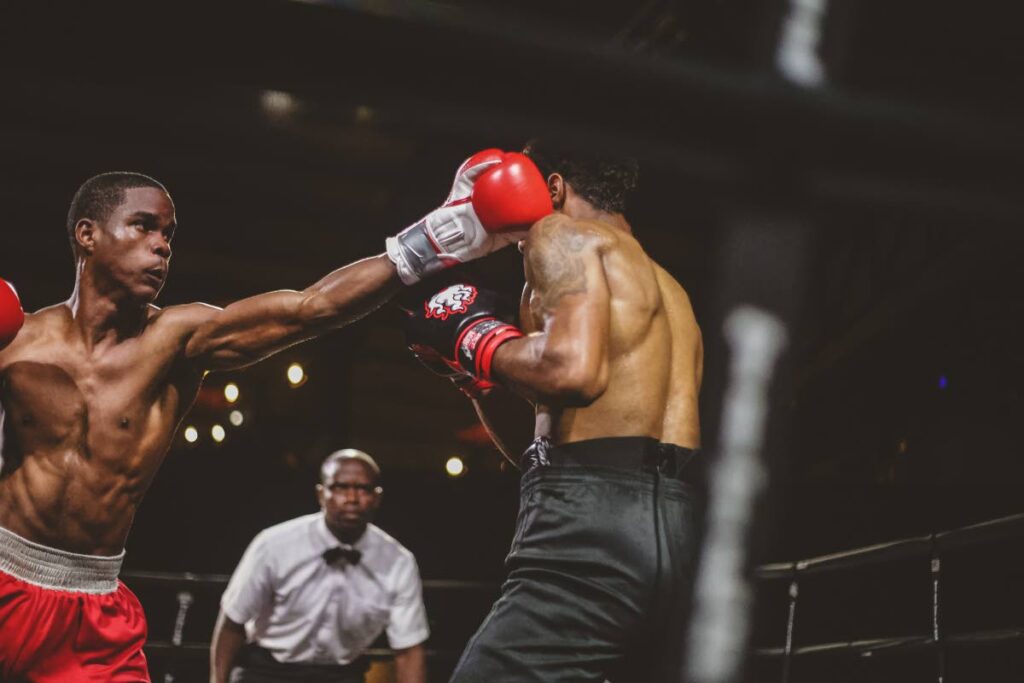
point(557, 267)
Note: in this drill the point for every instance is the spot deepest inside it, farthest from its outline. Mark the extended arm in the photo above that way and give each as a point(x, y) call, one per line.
point(411, 665)
point(566, 362)
point(254, 328)
point(228, 640)
point(496, 184)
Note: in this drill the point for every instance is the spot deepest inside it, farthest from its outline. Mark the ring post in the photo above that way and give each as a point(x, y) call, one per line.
point(940, 650)
point(185, 600)
point(787, 655)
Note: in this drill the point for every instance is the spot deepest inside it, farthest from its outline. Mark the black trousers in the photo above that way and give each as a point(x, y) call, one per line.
point(600, 570)
point(256, 665)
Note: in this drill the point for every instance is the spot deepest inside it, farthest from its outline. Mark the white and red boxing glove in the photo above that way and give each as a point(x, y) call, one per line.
point(12, 317)
point(496, 196)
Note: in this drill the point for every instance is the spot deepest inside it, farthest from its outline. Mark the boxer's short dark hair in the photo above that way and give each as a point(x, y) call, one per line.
point(604, 181)
point(100, 195)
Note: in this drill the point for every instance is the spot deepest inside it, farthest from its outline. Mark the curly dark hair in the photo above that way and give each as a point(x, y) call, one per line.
point(100, 195)
point(603, 181)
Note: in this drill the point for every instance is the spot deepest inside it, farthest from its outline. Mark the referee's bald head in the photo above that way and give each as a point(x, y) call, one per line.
point(332, 461)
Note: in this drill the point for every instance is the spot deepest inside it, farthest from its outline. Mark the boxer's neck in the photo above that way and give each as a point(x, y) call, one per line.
point(97, 313)
point(577, 208)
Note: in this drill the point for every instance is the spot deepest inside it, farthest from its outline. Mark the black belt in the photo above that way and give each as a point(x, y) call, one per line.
point(259, 660)
point(622, 452)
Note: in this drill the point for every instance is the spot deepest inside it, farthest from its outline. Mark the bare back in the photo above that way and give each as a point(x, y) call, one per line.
point(85, 430)
point(655, 353)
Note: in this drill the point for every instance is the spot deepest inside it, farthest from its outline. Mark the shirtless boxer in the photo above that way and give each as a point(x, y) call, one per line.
point(611, 357)
point(93, 389)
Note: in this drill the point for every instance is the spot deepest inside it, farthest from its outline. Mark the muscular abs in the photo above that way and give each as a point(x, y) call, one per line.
point(84, 431)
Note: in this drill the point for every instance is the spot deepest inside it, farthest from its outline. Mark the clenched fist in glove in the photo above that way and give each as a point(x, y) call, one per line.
point(11, 315)
point(496, 197)
point(459, 326)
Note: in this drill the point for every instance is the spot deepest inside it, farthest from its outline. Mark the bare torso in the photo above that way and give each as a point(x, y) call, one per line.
point(86, 429)
point(655, 354)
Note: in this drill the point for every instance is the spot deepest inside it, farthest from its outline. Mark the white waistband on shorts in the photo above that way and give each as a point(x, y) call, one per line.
point(56, 569)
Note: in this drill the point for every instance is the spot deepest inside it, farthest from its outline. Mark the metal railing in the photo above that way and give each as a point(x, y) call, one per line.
point(931, 546)
point(178, 650)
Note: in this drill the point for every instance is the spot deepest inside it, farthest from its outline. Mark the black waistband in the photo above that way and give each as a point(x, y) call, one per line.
point(621, 452)
point(259, 660)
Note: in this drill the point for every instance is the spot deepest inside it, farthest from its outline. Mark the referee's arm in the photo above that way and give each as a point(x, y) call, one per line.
point(411, 665)
point(247, 593)
point(228, 639)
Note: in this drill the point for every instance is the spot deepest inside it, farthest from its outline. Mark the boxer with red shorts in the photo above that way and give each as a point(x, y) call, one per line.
point(66, 617)
point(93, 389)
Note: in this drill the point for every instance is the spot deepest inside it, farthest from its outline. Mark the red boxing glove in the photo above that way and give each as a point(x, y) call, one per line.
point(467, 174)
point(451, 234)
point(511, 196)
point(11, 315)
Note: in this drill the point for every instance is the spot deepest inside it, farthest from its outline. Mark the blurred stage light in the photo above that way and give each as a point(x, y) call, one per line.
point(191, 434)
point(277, 103)
point(218, 433)
point(364, 114)
point(455, 467)
point(231, 392)
point(236, 418)
point(943, 381)
point(296, 375)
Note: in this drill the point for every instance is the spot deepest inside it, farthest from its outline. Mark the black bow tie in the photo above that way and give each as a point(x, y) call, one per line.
point(350, 555)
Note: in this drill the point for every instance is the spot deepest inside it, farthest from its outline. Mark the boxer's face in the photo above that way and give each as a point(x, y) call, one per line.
point(132, 247)
point(349, 495)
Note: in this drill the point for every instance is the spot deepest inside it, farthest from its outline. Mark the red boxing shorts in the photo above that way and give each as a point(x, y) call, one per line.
point(65, 617)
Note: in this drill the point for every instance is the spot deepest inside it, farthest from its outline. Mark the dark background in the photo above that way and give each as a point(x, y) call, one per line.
point(295, 136)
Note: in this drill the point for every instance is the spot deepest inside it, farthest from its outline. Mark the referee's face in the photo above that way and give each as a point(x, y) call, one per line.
point(349, 496)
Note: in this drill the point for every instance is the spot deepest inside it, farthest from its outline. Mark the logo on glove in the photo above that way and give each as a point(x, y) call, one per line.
point(454, 300)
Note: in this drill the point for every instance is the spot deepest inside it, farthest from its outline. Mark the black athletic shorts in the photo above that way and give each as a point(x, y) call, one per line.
point(600, 570)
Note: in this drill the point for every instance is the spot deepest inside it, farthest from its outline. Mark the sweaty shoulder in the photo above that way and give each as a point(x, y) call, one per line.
point(183, 318)
point(561, 255)
point(560, 231)
point(45, 320)
point(43, 324)
point(171, 328)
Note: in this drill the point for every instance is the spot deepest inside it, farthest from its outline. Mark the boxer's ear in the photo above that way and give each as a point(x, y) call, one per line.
point(85, 236)
point(556, 188)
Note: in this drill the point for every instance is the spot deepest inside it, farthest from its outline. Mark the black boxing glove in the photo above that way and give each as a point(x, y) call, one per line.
point(460, 324)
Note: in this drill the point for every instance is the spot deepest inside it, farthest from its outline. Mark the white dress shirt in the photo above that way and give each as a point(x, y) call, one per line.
point(304, 610)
